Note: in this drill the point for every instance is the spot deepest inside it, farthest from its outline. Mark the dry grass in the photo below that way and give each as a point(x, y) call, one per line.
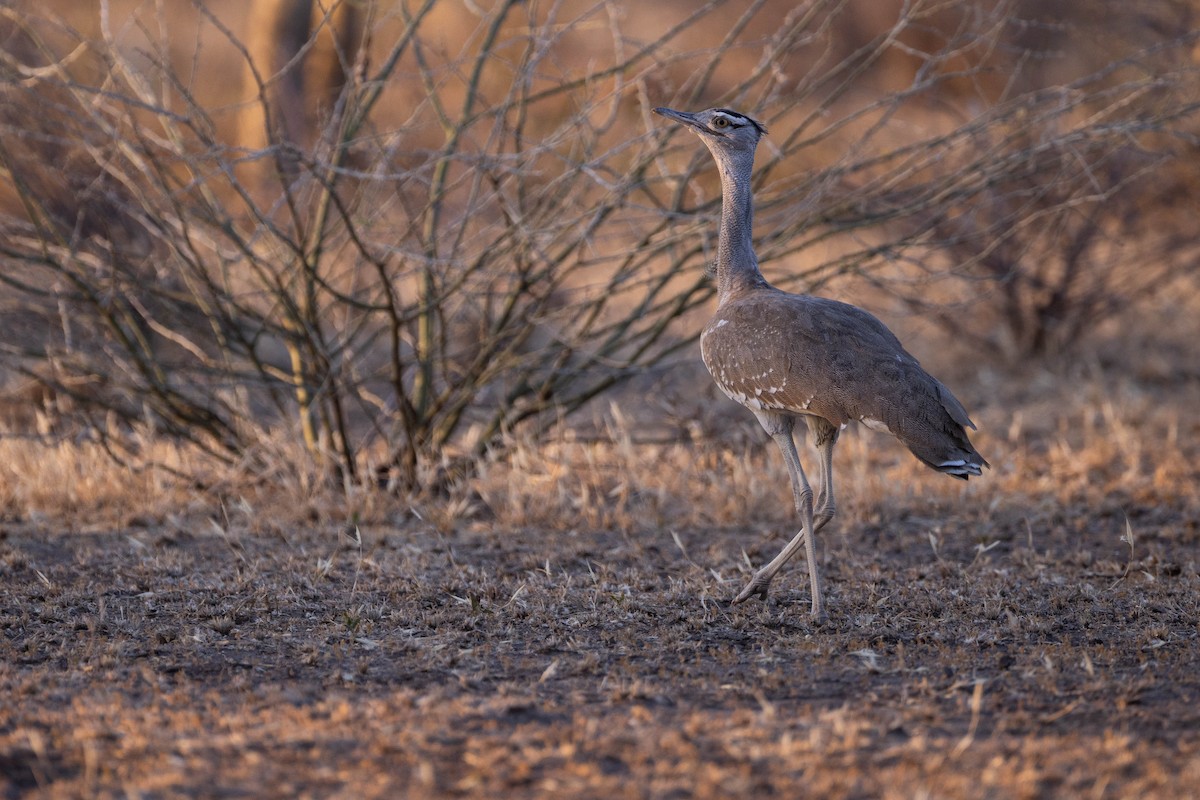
point(1052, 438)
point(561, 624)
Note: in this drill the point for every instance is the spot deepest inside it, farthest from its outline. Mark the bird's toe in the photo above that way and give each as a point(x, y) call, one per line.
point(757, 586)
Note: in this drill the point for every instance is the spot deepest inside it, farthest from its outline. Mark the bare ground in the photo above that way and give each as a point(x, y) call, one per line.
point(1024, 651)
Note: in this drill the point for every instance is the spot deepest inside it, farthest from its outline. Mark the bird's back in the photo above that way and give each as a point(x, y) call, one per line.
point(800, 354)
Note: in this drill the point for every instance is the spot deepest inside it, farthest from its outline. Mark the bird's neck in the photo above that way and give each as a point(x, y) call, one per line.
point(737, 266)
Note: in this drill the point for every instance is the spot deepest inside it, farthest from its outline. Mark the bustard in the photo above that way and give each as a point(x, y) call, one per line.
point(785, 356)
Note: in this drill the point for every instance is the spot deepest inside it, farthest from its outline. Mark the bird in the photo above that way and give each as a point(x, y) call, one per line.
point(790, 357)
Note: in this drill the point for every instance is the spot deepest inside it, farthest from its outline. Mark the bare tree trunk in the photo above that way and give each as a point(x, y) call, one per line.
point(337, 28)
point(291, 86)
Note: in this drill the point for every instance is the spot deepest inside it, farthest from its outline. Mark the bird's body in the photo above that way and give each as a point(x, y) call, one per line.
point(794, 356)
point(798, 354)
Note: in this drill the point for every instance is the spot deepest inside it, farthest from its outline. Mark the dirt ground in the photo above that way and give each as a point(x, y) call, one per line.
point(1022, 652)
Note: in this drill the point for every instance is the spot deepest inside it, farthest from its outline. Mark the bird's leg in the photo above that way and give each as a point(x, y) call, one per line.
point(780, 429)
point(825, 436)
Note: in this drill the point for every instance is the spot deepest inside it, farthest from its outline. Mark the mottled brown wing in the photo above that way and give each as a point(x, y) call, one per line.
point(807, 355)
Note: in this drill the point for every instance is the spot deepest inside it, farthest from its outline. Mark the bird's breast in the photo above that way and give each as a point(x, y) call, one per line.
point(748, 369)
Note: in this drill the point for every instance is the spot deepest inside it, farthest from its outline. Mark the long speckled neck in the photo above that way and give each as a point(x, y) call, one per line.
point(737, 266)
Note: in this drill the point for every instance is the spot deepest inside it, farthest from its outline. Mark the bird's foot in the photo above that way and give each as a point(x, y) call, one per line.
point(758, 585)
point(819, 617)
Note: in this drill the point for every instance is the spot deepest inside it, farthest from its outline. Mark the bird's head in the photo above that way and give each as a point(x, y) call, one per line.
point(720, 128)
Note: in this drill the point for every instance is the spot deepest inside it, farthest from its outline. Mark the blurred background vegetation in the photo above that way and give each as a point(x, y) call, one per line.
point(378, 243)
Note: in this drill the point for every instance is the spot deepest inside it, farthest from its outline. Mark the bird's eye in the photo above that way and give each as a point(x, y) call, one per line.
point(720, 122)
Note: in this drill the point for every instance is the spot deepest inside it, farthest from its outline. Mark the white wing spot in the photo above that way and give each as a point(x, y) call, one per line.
point(740, 397)
point(721, 322)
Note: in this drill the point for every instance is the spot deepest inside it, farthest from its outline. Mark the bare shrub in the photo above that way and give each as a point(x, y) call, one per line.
point(1090, 214)
point(483, 240)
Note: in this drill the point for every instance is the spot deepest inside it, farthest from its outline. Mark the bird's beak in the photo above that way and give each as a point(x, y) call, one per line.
point(679, 116)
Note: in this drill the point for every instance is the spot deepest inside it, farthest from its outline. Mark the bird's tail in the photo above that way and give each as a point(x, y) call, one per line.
point(960, 462)
point(942, 441)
